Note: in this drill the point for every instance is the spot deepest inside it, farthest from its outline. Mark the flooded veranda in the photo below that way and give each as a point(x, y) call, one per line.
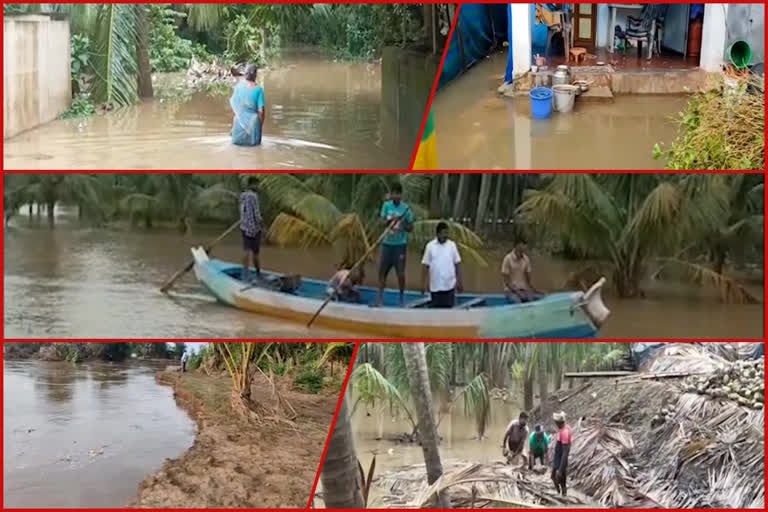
point(321, 114)
point(477, 128)
point(76, 281)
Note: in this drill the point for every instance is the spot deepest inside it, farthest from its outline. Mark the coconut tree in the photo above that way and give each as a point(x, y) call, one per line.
point(416, 365)
point(342, 486)
point(630, 221)
point(50, 189)
point(342, 212)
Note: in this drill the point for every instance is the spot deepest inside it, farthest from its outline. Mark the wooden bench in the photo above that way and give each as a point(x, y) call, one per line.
point(468, 305)
point(418, 303)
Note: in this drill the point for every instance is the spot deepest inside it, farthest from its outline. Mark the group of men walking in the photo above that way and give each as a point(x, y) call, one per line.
point(518, 440)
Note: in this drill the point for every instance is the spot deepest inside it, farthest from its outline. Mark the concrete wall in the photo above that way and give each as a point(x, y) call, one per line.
point(747, 22)
point(407, 77)
point(36, 74)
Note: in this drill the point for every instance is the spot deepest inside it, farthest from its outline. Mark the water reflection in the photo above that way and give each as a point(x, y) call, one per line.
point(320, 115)
point(81, 282)
point(85, 435)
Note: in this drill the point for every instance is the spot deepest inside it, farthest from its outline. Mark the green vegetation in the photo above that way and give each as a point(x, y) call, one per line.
point(117, 47)
point(462, 375)
point(629, 227)
point(721, 128)
point(77, 352)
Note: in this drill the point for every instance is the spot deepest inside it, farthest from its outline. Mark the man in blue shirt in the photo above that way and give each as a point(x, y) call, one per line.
point(398, 217)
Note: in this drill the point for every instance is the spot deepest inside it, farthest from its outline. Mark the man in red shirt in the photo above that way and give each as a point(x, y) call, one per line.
point(563, 443)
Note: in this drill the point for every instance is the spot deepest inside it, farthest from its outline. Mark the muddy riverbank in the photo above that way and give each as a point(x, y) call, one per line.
point(234, 463)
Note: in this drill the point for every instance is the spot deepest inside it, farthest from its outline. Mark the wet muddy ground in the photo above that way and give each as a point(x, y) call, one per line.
point(239, 464)
point(476, 128)
point(320, 115)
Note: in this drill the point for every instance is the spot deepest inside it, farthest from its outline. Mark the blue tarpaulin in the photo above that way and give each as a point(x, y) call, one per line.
point(480, 29)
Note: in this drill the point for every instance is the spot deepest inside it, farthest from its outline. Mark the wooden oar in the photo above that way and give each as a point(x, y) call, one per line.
point(354, 267)
point(167, 285)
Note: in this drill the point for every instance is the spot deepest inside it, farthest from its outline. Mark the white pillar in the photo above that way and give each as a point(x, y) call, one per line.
point(521, 38)
point(713, 37)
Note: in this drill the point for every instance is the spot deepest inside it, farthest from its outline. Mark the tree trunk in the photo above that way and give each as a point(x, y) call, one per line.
point(497, 202)
point(342, 487)
point(29, 210)
point(445, 201)
point(50, 207)
point(144, 78)
point(543, 384)
point(418, 378)
point(458, 206)
point(482, 202)
point(434, 197)
point(528, 392)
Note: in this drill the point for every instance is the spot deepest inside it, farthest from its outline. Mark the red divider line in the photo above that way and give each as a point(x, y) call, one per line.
point(390, 340)
point(387, 171)
point(333, 424)
point(434, 86)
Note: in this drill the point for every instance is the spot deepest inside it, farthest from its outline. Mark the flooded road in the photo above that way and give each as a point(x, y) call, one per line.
point(83, 282)
point(78, 436)
point(320, 115)
point(477, 128)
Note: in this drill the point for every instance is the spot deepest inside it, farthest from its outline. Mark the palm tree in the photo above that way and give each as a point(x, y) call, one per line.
point(416, 365)
point(50, 189)
point(342, 488)
point(631, 220)
point(342, 211)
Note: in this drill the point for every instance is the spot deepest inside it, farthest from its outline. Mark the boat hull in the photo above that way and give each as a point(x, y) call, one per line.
point(561, 315)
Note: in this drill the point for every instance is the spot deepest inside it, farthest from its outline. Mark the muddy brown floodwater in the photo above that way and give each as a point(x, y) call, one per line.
point(320, 115)
point(75, 281)
point(84, 436)
point(477, 128)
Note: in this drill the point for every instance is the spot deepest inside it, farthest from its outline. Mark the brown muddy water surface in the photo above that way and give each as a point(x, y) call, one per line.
point(82, 282)
point(320, 115)
point(477, 128)
point(85, 435)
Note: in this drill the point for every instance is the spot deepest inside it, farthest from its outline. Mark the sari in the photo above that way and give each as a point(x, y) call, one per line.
point(245, 102)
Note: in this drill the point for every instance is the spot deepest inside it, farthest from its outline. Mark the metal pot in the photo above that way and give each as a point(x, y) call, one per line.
point(562, 76)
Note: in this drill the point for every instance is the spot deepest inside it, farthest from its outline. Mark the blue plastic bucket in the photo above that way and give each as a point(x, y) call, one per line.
point(541, 102)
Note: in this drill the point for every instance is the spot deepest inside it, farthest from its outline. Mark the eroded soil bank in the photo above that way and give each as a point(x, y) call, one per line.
point(236, 463)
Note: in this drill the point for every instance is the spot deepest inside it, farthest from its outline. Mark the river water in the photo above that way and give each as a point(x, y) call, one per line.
point(477, 128)
point(85, 435)
point(320, 115)
point(75, 282)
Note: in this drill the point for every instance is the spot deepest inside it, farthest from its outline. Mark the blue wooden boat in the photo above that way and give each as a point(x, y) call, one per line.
point(559, 315)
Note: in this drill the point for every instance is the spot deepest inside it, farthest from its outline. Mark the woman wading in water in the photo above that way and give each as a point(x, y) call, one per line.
point(248, 107)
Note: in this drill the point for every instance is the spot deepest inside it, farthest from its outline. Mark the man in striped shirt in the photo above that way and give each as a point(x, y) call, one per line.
point(250, 227)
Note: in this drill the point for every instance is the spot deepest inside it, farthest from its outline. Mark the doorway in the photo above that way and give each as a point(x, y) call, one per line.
point(584, 25)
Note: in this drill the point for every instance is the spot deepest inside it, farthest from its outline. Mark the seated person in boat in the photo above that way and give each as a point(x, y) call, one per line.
point(441, 269)
point(516, 275)
point(343, 285)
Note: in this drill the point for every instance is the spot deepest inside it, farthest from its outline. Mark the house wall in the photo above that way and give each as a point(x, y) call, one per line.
point(747, 22)
point(36, 74)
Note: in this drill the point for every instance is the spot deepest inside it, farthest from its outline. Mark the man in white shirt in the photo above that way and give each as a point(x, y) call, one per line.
point(440, 267)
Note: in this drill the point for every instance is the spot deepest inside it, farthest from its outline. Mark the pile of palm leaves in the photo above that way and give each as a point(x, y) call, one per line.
point(470, 485)
point(722, 128)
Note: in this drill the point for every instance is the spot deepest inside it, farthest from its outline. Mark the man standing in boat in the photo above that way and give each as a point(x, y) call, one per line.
point(516, 275)
point(250, 227)
point(398, 218)
point(440, 268)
